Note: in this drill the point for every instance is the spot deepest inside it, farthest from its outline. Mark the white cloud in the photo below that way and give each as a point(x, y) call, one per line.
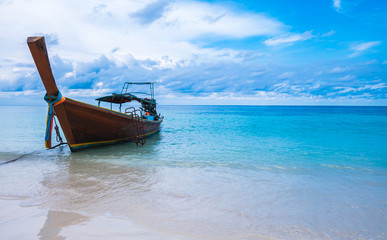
point(221, 82)
point(339, 69)
point(150, 12)
point(371, 62)
point(155, 34)
point(194, 19)
point(368, 87)
point(337, 5)
point(86, 29)
point(69, 74)
point(378, 86)
point(330, 33)
point(87, 92)
point(286, 75)
point(289, 39)
point(359, 48)
point(348, 77)
point(365, 45)
point(344, 90)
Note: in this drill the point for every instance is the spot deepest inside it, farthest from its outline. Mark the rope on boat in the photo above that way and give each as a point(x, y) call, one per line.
point(58, 137)
point(52, 101)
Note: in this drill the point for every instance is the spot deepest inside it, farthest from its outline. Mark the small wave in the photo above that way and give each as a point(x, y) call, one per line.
point(29, 203)
point(347, 168)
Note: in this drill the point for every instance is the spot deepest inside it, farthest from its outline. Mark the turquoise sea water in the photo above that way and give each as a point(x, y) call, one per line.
point(237, 172)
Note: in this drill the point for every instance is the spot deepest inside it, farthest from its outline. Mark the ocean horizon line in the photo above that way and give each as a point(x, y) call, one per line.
point(244, 105)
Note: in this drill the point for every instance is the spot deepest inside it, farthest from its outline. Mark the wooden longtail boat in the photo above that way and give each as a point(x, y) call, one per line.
point(86, 125)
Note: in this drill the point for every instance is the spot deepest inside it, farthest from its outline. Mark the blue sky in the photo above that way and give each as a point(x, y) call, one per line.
point(325, 52)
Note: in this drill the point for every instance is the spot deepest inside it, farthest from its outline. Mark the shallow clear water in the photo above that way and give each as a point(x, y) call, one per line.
point(230, 172)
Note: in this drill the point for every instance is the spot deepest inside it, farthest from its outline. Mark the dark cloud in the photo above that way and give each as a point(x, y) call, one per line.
point(150, 12)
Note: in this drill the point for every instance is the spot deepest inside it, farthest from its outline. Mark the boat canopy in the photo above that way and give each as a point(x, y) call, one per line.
point(125, 97)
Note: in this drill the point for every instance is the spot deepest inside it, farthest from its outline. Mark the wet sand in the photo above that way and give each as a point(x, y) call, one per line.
point(58, 195)
point(32, 222)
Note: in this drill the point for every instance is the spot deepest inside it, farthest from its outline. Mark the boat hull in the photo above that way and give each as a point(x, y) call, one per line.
point(86, 126)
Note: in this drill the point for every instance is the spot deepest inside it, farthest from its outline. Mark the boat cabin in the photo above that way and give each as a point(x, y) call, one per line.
point(148, 102)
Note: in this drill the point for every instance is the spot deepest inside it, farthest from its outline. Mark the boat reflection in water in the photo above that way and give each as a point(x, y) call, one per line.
point(101, 189)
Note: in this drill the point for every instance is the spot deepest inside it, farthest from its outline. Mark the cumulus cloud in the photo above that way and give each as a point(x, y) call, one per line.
point(289, 39)
point(83, 30)
point(203, 82)
point(51, 38)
